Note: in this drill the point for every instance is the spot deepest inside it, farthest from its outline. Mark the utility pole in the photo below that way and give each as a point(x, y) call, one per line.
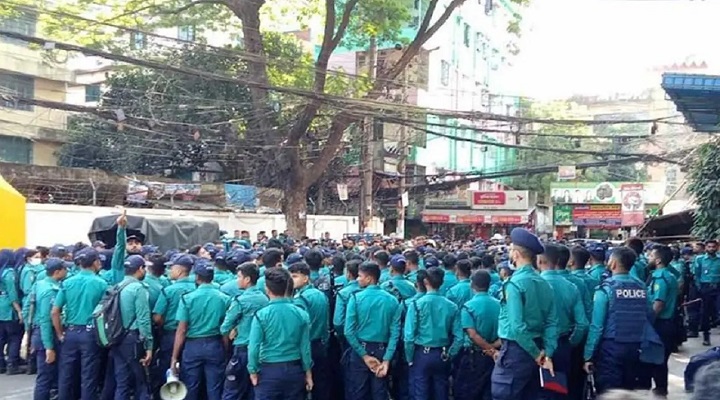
point(402, 163)
point(366, 170)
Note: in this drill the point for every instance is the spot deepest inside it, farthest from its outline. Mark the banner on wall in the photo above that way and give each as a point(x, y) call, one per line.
point(632, 206)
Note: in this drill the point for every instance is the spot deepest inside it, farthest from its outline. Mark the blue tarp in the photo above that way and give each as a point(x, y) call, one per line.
point(242, 196)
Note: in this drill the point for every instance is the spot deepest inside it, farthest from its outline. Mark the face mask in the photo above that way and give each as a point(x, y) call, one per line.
point(35, 261)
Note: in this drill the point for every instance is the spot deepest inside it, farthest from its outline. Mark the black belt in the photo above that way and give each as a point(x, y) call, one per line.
point(281, 364)
point(214, 337)
point(240, 347)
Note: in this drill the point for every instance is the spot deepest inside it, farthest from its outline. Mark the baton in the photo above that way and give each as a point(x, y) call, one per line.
point(690, 302)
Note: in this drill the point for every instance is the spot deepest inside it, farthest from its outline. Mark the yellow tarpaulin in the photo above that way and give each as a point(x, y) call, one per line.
point(12, 216)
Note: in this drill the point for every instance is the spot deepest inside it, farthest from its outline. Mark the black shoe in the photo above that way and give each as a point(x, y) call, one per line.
point(13, 371)
point(693, 334)
point(3, 370)
point(660, 393)
point(31, 369)
point(706, 342)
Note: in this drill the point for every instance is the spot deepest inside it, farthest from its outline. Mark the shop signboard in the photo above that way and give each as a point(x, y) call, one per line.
point(500, 200)
point(603, 192)
point(562, 215)
point(633, 208)
point(607, 215)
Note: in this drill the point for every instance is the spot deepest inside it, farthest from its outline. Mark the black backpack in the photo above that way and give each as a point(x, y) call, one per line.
point(107, 317)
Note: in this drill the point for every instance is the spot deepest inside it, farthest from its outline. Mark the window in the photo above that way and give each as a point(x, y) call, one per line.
point(15, 149)
point(17, 85)
point(138, 40)
point(186, 33)
point(92, 93)
point(444, 73)
point(466, 35)
point(23, 23)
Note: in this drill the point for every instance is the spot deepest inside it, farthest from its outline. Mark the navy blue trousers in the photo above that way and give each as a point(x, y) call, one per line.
point(709, 294)
point(161, 362)
point(429, 374)
point(320, 370)
point(399, 375)
point(203, 358)
point(360, 382)
point(665, 328)
point(11, 333)
point(616, 365)
point(693, 310)
point(281, 381)
point(515, 376)
point(237, 378)
point(46, 381)
point(471, 377)
point(79, 348)
point(130, 377)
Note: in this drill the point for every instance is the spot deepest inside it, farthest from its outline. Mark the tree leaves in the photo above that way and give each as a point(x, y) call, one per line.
point(704, 185)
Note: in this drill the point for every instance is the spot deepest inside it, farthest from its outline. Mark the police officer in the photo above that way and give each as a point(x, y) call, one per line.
point(382, 258)
point(479, 321)
point(461, 291)
point(412, 265)
point(640, 270)
point(706, 271)
point(397, 283)
point(572, 319)
point(238, 320)
point(283, 370)
point(528, 324)
point(596, 269)
point(11, 322)
point(43, 339)
point(585, 284)
point(165, 313)
point(317, 306)
point(134, 352)
point(155, 279)
point(663, 291)
point(620, 310)
point(200, 315)
point(694, 307)
point(432, 337)
point(343, 296)
point(448, 265)
point(372, 328)
point(223, 273)
point(29, 270)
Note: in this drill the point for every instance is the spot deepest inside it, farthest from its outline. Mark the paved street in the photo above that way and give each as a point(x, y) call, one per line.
point(20, 387)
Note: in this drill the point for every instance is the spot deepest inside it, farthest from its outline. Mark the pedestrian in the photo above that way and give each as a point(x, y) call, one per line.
point(372, 329)
point(133, 355)
point(279, 356)
point(479, 321)
point(527, 324)
point(570, 311)
point(200, 315)
point(620, 310)
point(44, 342)
point(76, 301)
point(317, 306)
point(432, 337)
point(237, 322)
point(663, 291)
point(11, 317)
point(706, 271)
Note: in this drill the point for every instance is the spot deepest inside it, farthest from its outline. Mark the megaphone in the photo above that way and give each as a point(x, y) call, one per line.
point(173, 389)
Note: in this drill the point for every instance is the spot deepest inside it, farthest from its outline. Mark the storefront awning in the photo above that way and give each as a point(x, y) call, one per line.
point(697, 97)
point(472, 217)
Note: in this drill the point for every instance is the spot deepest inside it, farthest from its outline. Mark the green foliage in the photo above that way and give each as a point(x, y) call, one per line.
point(382, 19)
point(705, 187)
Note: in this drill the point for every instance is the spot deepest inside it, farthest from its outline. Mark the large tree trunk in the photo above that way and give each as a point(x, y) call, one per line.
point(295, 210)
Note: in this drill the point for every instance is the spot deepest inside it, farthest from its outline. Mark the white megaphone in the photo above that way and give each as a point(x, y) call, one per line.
point(173, 389)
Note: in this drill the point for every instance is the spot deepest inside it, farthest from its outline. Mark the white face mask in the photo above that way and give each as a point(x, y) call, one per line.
point(35, 261)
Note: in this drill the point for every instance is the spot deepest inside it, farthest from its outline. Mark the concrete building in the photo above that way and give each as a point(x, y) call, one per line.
point(30, 134)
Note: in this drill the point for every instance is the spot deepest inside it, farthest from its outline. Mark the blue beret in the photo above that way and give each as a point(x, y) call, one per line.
point(431, 262)
point(523, 238)
point(134, 263)
point(220, 256)
point(686, 251)
point(148, 249)
point(397, 260)
point(54, 264)
point(185, 260)
point(293, 258)
point(58, 251)
point(203, 268)
point(303, 249)
point(505, 265)
point(596, 251)
point(88, 256)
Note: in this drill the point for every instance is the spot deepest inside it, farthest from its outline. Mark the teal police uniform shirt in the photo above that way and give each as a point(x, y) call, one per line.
point(385, 274)
point(527, 312)
point(449, 281)
point(28, 277)
point(570, 310)
point(432, 321)
point(117, 263)
point(204, 311)
point(45, 292)
point(340, 280)
point(79, 295)
point(678, 268)
point(664, 287)
point(154, 285)
point(582, 282)
point(231, 288)
point(169, 301)
point(706, 269)
point(135, 309)
point(280, 332)
point(373, 315)
point(8, 294)
point(595, 272)
point(317, 306)
point(639, 270)
point(241, 312)
point(400, 285)
point(460, 293)
point(341, 301)
point(601, 301)
point(480, 313)
point(222, 276)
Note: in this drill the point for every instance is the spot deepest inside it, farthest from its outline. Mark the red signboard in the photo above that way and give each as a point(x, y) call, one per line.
point(436, 218)
point(470, 219)
point(507, 219)
point(488, 198)
point(596, 215)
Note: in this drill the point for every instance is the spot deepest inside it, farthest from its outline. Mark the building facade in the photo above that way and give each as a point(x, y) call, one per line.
point(30, 134)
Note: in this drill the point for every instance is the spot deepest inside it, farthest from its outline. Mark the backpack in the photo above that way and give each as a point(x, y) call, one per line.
point(326, 284)
point(109, 328)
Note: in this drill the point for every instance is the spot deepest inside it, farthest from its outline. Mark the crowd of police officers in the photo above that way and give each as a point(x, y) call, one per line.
point(377, 322)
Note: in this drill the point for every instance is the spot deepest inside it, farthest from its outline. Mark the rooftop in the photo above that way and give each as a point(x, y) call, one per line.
point(697, 97)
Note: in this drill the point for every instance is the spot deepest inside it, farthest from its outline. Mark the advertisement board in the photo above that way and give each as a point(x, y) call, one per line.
point(603, 192)
point(632, 207)
point(562, 215)
point(505, 200)
point(608, 215)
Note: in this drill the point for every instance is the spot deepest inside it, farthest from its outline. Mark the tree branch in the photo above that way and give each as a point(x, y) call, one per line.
point(165, 12)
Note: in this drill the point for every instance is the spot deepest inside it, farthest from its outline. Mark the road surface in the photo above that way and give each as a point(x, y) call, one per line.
point(20, 387)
